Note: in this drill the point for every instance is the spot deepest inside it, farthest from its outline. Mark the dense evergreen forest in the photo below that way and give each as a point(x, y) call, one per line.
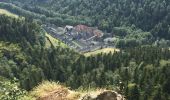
point(143, 71)
point(140, 71)
point(148, 15)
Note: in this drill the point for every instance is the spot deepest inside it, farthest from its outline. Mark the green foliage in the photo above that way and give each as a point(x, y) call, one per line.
point(43, 15)
point(17, 40)
point(131, 37)
point(133, 93)
point(148, 15)
point(11, 91)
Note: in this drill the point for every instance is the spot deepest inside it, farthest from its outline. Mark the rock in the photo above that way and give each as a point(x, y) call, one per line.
point(106, 95)
point(87, 97)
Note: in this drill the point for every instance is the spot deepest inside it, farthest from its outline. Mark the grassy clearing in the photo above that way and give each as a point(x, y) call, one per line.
point(164, 62)
point(3, 11)
point(76, 43)
point(54, 41)
point(105, 50)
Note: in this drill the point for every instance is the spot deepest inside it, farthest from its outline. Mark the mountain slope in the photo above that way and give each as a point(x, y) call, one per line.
point(54, 41)
point(3, 11)
point(131, 71)
point(139, 73)
point(144, 14)
point(134, 23)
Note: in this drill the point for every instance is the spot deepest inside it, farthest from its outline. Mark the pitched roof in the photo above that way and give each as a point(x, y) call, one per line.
point(91, 31)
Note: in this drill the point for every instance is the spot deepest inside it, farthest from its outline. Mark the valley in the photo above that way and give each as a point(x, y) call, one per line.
point(77, 43)
point(91, 43)
point(84, 50)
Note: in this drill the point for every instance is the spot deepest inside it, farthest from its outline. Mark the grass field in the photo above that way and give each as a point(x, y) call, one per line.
point(104, 50)
point(76, 43)
point(54, 41)
point(3, 11)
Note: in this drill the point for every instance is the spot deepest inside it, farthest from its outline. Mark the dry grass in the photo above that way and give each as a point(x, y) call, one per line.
point(105, 50)
point(45, 88)
point(3, 11)
point(54, 91)
point(51, 90)
point(74, 95)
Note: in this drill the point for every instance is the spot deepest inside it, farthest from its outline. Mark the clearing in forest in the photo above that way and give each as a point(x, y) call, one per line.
point(104, 50)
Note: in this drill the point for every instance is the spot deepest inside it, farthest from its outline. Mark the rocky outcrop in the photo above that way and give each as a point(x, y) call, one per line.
point(69, 95)
point(54, 91)
point(106, 95)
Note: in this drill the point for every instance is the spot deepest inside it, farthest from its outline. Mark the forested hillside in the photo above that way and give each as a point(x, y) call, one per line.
point(125, 19)
point(139, 70)
point(144, 14)
point(144, 70)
